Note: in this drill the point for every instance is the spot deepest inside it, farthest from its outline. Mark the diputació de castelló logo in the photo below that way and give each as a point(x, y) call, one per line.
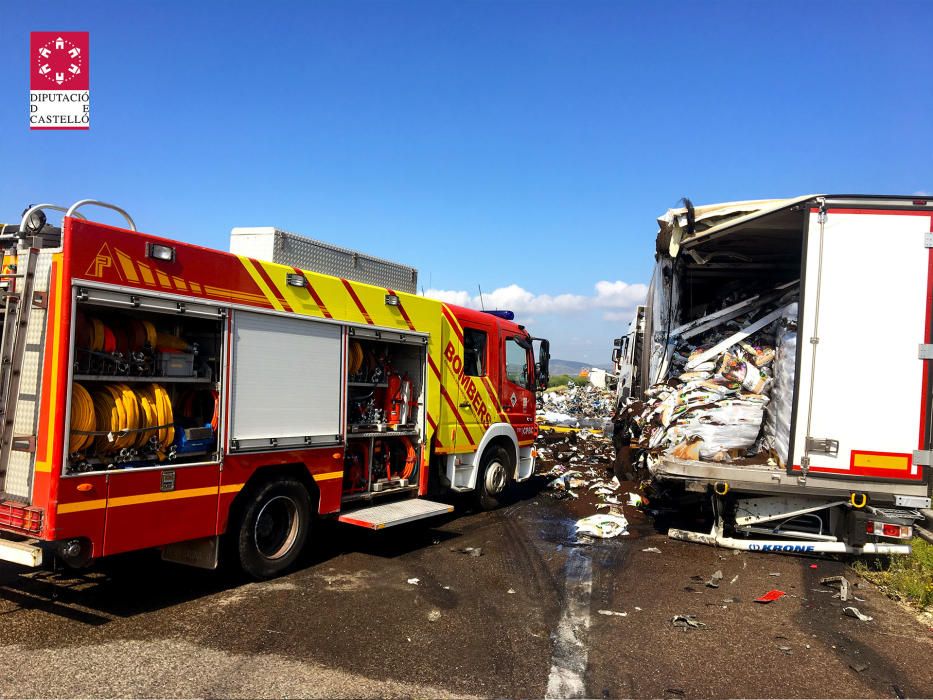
point(59, 80)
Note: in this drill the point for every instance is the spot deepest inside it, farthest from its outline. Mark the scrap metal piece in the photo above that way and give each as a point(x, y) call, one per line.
point(843, 585)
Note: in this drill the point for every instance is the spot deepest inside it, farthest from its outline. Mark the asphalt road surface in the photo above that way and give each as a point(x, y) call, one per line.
point(520, 620)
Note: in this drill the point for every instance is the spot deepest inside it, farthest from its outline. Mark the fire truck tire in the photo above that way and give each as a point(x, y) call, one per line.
point(273, 528)
point(493, 478)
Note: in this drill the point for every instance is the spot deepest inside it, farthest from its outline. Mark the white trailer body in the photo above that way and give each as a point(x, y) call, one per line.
point(860, 423)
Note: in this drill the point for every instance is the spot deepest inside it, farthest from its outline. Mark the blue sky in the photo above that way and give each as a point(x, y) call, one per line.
point(520, 146)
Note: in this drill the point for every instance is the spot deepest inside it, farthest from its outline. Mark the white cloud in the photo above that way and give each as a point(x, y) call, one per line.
point(617, 300)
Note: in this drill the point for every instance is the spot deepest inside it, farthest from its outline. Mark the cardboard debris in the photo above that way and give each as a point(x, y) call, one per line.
point(576, 407)
point(857, 614)
point(714, 396)
point(602, 525)
point(687, 622)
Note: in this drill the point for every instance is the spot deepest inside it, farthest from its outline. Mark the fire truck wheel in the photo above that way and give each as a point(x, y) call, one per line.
point(493, 478)
point(273, 528)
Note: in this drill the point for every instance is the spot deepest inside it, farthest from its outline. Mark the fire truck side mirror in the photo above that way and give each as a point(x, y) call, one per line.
point(542, 373)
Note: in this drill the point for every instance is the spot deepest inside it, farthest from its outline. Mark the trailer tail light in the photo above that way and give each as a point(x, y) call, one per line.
point(876, 527)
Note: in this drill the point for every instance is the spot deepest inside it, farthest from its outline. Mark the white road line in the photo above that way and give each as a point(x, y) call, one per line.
point(568, 660)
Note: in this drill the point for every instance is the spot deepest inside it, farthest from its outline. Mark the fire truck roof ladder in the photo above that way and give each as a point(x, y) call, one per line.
point(16, 308)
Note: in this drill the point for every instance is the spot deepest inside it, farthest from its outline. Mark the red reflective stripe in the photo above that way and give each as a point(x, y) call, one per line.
point(313, 293)
point(437, 372)
point(928, 334)
point(401, 308)
point(437, 435)
point(268, 280)
point(495, 399)
point(357, 301)
point(458, 417)
point(452, 321)
point(885, 212)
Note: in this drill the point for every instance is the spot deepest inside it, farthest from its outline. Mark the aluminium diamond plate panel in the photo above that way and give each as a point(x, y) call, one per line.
point(316, 256)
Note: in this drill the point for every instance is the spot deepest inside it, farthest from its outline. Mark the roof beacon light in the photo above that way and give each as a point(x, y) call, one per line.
point(157, 251)
point(502, 313)
point(293, 279)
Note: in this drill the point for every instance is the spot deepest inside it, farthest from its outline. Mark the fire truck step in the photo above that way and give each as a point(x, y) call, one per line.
point(396, 513)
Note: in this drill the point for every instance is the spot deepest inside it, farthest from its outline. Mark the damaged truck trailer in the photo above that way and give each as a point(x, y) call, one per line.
point(784, 371)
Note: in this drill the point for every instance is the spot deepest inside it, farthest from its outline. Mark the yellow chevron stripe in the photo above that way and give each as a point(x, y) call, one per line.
point(328, 475)
point(163, 279)
point(146, 272)
point(127, 264)
point(270, 297)
point(234, 294)
point(82, 505)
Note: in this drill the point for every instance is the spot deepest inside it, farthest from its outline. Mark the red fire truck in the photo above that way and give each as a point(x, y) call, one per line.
point(158, 394)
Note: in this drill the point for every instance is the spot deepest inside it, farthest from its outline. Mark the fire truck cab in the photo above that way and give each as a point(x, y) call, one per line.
point(159, 394)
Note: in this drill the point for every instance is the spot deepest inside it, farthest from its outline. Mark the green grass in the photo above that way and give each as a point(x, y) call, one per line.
point(564, 379)
point(906, 577)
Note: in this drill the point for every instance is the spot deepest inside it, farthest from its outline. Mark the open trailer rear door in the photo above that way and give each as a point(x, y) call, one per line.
point(862, 393)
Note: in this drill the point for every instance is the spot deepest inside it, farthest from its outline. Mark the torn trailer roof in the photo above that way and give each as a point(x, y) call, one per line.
point(762, 215)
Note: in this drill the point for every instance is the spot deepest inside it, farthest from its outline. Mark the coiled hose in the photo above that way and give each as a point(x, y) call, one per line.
point(117, 417)
point(82, 419)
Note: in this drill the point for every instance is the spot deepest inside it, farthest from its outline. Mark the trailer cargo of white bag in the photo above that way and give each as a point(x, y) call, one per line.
point(816, 310)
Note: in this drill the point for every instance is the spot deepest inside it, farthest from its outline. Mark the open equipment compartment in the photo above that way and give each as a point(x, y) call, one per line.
point(385, 412)
point(145, 389)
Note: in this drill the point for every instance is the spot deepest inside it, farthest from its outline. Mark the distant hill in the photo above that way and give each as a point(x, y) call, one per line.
point(572, 367)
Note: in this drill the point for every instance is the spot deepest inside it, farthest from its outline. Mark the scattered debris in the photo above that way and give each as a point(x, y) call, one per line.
point(686, 622)
point(858, 667)
point(414, 581)
point(714, 579)
point(717, 377)
point(434, 615)
point(602, 525)
point(785, 649)
point(511, 590)
point(843, 585)
point(612, 612)
point(653, 550)
point(576, 406)
point(775, 573)
point(734, 579)
point(770, 596)
point(635, 500)
point(857, 614)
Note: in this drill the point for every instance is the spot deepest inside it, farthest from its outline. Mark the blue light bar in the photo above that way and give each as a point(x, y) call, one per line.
point(507, 315)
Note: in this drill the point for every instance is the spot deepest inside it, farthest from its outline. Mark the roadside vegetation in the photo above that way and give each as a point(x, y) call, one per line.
point(559, 380)
point(907, 578)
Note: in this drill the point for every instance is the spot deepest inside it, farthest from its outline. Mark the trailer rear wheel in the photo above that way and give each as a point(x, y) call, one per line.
point(494, 477)
point(273, 528)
